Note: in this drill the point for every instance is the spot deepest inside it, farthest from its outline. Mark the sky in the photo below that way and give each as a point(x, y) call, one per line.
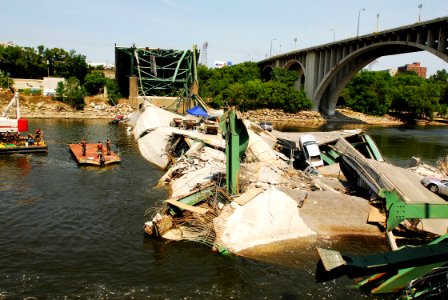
point(235, 30)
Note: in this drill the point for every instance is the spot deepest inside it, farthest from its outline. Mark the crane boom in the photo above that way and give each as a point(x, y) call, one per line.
point(13, 124)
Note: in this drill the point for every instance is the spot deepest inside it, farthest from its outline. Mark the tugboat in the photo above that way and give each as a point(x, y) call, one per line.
point(11, 141)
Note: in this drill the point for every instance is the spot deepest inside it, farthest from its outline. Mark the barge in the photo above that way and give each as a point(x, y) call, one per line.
point(92, 156)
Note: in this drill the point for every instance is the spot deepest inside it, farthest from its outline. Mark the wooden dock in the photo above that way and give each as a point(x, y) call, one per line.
point(92, 156)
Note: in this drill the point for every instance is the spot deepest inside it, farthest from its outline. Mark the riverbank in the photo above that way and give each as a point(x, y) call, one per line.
point(43, 107)
point(341, 115)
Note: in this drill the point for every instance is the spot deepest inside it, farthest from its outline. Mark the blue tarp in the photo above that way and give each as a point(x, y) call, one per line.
point(197, 111)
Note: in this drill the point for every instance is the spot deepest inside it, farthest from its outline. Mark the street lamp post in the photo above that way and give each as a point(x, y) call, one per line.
point(359, 16)
point(419, 11)
point(334, 34)
point(295, 43)
point(270, 51)
point(377, 22)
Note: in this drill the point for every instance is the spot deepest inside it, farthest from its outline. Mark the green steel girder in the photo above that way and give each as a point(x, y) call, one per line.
point(160, 72)
point(237, 140)
point(399, 210)
point(423, 259)
point(194, 198)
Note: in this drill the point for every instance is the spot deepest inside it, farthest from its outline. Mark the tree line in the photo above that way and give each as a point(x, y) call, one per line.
point(242, 85)
point(378, 93)
point(81, 79)
point(369, 92)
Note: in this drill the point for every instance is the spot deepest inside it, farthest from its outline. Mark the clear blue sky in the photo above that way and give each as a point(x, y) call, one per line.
point(235, 30)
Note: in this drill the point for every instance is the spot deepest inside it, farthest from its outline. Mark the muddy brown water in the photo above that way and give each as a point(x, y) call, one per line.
point(77, 232)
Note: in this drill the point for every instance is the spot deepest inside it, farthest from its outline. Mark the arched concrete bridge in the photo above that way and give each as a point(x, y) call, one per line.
point(326, 69)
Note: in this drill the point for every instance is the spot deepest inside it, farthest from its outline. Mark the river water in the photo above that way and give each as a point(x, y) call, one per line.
point(71, 232)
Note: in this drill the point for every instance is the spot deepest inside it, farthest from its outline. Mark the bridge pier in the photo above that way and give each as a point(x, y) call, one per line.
point(312, 76)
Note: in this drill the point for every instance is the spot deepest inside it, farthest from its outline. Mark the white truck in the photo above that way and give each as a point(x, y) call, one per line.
point(310, 150)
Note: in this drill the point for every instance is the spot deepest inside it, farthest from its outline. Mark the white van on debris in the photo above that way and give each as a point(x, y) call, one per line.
point(310, 150)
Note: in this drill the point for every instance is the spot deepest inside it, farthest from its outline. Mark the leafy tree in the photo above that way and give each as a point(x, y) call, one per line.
point(242, 85)
point(441, 78)
point(94, 82)
point(113, 91)
point(59, 91)
point(26, 62)
point(414, 95)
point(71, 93)
point(5, 80)
point(284, 76)
point(368, 92)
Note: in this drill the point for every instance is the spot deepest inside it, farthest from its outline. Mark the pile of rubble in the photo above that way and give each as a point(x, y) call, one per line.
point(275, 202)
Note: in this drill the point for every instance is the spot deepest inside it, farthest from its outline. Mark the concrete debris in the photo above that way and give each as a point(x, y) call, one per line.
point(276, 201)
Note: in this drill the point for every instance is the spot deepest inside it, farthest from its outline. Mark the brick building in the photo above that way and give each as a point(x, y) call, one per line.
point(421, 71)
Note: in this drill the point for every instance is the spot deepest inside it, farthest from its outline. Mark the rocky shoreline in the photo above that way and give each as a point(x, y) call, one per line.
point(341, 115)
point(41, 107)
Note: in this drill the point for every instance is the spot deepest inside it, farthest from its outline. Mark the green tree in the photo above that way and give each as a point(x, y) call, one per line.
point(368, 92)
point(414, 95)
point(71, 93)
point(242, 85)
point(26, 62)
point(441, 78)
point(5, 80)
point(113, 91)
point(94, 82)
point(287, 77)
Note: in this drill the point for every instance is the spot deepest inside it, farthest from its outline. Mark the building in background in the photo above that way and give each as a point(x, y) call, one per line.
point(47, 85)
point(221, 63)
point(421, 71)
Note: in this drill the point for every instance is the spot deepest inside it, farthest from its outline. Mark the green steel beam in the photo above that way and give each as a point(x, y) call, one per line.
point(195, 198)
point(178, 65)
point(425, 259)
point(399, 210)
point(237, 140)
point(373, 148)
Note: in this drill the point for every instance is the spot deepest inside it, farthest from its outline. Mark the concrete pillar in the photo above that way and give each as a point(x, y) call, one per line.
point(133, 92)
point(430, 39)
point(311, 76)
point(442, 41)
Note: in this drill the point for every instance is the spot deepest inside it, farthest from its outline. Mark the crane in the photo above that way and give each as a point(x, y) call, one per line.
point(13, 124)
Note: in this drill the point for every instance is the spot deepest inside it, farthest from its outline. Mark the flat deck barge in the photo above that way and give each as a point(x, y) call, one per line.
point(91, 156)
